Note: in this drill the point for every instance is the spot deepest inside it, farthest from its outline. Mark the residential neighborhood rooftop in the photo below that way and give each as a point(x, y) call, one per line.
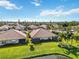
point(41, 33)
point(12, 34)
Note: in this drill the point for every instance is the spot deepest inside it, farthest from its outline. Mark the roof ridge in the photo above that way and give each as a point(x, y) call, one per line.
point(37, 32)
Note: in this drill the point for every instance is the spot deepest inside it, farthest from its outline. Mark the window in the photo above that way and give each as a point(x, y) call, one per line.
point(11, 41)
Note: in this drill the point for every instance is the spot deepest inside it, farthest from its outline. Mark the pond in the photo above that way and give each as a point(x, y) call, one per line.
point(51, 57)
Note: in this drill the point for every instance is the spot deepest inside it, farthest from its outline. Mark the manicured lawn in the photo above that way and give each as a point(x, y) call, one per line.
point(19, 52)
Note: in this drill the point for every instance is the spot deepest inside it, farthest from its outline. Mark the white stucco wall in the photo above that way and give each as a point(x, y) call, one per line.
point(8, 42)
point(12, 41)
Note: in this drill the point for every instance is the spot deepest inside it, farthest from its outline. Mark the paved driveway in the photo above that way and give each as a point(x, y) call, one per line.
point(52, 57)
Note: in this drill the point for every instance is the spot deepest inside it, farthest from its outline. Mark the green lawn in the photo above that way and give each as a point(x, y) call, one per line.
point(19, 52)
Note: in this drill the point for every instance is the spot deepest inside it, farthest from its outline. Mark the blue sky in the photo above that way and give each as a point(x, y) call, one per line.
point(39, 10)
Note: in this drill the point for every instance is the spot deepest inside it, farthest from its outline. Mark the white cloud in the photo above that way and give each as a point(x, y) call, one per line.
point(36, 2)
point(8, 5)
point(59, 12)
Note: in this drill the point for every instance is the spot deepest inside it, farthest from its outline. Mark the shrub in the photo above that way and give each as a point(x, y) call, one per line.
point(32, 47)
point(69, 48)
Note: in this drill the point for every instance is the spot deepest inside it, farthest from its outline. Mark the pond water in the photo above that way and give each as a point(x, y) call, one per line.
point(52, 57)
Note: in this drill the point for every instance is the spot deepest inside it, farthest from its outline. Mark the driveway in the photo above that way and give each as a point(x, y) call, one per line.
point(52, 57)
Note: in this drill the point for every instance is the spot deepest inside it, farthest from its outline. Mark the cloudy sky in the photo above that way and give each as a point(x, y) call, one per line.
point(39, 10)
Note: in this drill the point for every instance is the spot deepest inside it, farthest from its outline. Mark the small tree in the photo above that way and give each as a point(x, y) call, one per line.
point(27, 36)
point(61, 36)
point(30, 42)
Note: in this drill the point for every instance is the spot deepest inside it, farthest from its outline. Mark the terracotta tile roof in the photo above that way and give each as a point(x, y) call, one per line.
point(41, 33)
point(12, 34)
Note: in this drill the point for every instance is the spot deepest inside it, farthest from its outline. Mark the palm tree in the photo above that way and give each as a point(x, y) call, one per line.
point(29, 42)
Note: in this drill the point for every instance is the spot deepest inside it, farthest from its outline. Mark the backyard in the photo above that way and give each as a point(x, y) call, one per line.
point(18, 52)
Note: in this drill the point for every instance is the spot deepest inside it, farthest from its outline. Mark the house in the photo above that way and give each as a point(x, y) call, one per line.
point(19, 27)
point(12, 37)
point(32, 27)
point(42, 35)
point(4, 27)
point(57, 31)
point(43, 26)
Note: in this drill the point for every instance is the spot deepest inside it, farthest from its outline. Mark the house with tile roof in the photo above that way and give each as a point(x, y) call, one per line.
point(12, 37)
point(19, 27)
point(32, 27)
point(4, 27)
point(43, 26)
point(41, 35)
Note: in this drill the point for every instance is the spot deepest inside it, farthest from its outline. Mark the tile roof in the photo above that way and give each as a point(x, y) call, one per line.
point(41, 33)
point(12, 34)
point(43, 26)
point(4, 27)
point(33, 26)
point(19, 26)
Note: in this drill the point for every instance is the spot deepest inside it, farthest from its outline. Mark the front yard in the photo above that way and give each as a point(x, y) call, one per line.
point(18, 52)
